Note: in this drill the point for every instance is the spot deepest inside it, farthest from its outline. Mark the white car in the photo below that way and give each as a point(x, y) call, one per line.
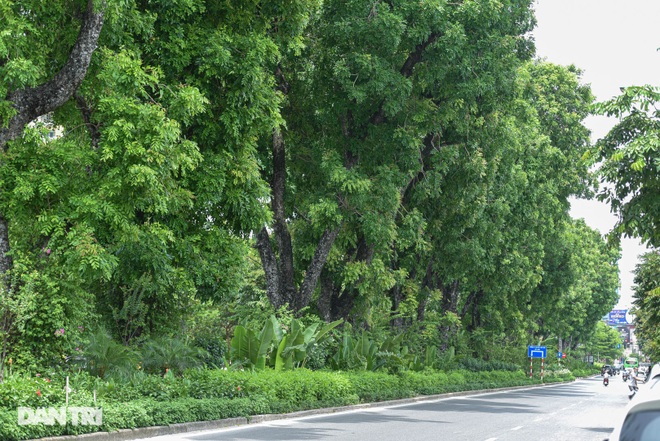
point(642, 416)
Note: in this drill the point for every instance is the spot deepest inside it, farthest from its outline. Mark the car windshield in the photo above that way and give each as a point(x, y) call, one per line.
point(642, 426)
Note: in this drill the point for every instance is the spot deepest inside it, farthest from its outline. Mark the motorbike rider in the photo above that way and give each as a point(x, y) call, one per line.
point(633, 384)
point(606, 378)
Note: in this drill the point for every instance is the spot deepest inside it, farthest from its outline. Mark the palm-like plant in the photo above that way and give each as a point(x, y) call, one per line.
point(104, 357)
point(164, 354)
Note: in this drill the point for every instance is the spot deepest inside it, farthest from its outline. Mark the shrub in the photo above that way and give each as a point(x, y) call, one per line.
point(377, 386)
point(477, 365)
point(426, 382)
point(21, 391)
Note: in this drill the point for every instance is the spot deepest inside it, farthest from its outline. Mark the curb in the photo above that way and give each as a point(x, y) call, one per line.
point(173, 429)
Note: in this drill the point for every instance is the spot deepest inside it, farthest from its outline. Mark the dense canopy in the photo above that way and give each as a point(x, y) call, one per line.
point(402, 165)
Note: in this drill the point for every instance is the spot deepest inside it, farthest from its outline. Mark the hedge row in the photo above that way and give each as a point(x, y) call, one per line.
point(205, 395)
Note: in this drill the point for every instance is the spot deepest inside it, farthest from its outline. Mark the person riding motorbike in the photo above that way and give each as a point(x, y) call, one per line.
point(633, 384)
point(606, 378)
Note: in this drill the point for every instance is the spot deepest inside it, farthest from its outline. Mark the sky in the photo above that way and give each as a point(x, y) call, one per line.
point(614, 43)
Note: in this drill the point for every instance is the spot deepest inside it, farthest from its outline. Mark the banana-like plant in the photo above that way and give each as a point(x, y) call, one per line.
point(365, 354)
point(293, 348)
point(282, 350)
point(251, 349)
point(361, 353)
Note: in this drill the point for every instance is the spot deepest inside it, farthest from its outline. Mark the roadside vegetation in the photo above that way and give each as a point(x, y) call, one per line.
point(285, 365)
point(268, 376)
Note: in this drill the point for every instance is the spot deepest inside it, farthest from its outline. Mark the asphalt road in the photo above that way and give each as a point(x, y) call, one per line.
point(583, 410)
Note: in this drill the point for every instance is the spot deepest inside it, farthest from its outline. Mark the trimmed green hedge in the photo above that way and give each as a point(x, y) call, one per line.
point(140, 413)
point(203, 395)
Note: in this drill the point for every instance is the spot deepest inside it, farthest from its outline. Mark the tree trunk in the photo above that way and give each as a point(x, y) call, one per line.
point(450, 297)
point(36, 101)
point(279, 268)
point(287, 285)
point(396, 295)
point(6, 263)
point(333, 303)
point(426, 288)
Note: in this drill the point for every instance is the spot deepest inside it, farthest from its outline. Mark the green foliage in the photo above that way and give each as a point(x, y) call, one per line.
point(169, 354)
point(294, 346)
point(427, 134)
point(32, 392)
point(606, 342)
point(14, 313)
point(286, 349)
point(250, 349)
point(647, 303)
point(628, 159)
point(360, 353)
point(103, 357)
point(477, 365)
point(139, 413)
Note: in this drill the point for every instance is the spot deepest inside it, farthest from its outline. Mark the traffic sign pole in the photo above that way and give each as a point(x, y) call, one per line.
point(542, 360)
point(531, 367)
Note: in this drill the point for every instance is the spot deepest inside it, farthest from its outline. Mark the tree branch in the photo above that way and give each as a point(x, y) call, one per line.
point(86, 112)
point(316, 266)
point(33, 102)
point(413, 59)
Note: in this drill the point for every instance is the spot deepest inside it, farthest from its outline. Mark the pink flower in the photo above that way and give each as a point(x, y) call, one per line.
point(238, 388)
point(38, 374)
point(59, 332)
point(38, 392)
point(48, 251)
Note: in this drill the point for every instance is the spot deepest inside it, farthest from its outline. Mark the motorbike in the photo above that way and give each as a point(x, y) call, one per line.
point(606, 381)
point(624, 375)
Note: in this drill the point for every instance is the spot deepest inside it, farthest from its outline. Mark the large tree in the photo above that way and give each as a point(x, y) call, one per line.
point(380, 91)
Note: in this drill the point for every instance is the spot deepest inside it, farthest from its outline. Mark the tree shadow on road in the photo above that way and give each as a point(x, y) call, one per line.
point(270, 432)
point(474, 405)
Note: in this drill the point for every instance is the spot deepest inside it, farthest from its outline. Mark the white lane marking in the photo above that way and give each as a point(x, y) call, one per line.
point(536, 420)
point(491, 439)
point(517, 428)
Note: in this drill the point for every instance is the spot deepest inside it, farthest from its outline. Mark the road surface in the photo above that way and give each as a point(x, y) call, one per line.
point(583, 410)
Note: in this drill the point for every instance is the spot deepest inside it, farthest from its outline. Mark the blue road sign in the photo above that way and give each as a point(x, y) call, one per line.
point(537, 351)
point(558, 354)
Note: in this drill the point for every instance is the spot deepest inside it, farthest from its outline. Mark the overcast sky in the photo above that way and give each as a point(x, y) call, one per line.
point(615, 43)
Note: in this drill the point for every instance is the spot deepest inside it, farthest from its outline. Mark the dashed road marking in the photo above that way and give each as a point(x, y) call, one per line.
point(517, 428)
